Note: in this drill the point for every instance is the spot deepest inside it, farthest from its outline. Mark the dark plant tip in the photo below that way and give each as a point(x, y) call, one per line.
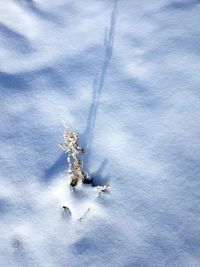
point(87, 181)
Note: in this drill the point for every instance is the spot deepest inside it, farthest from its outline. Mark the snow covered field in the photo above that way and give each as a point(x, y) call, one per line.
point(124, 74)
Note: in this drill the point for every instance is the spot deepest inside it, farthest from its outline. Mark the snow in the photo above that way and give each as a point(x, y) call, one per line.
point(124, 74)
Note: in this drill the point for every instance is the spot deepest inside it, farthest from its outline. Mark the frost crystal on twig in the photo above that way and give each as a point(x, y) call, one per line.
point(74, 157)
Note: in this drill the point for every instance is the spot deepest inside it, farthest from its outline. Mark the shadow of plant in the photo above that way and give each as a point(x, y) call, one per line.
point(98, 85)
point(97, 178)
point(88, 134)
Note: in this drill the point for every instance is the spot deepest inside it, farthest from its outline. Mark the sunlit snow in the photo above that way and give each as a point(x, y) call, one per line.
point(125, 74)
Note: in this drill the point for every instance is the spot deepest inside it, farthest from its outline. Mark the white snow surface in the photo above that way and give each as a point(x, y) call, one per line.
point(124, 74)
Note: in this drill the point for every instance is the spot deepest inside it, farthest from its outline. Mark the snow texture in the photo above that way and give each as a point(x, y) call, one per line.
point(125, 74)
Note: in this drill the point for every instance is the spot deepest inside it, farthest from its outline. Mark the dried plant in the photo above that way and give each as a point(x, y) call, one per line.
point(85, 214)
point(74, 157)
point(103, 189)
point(66, 212)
